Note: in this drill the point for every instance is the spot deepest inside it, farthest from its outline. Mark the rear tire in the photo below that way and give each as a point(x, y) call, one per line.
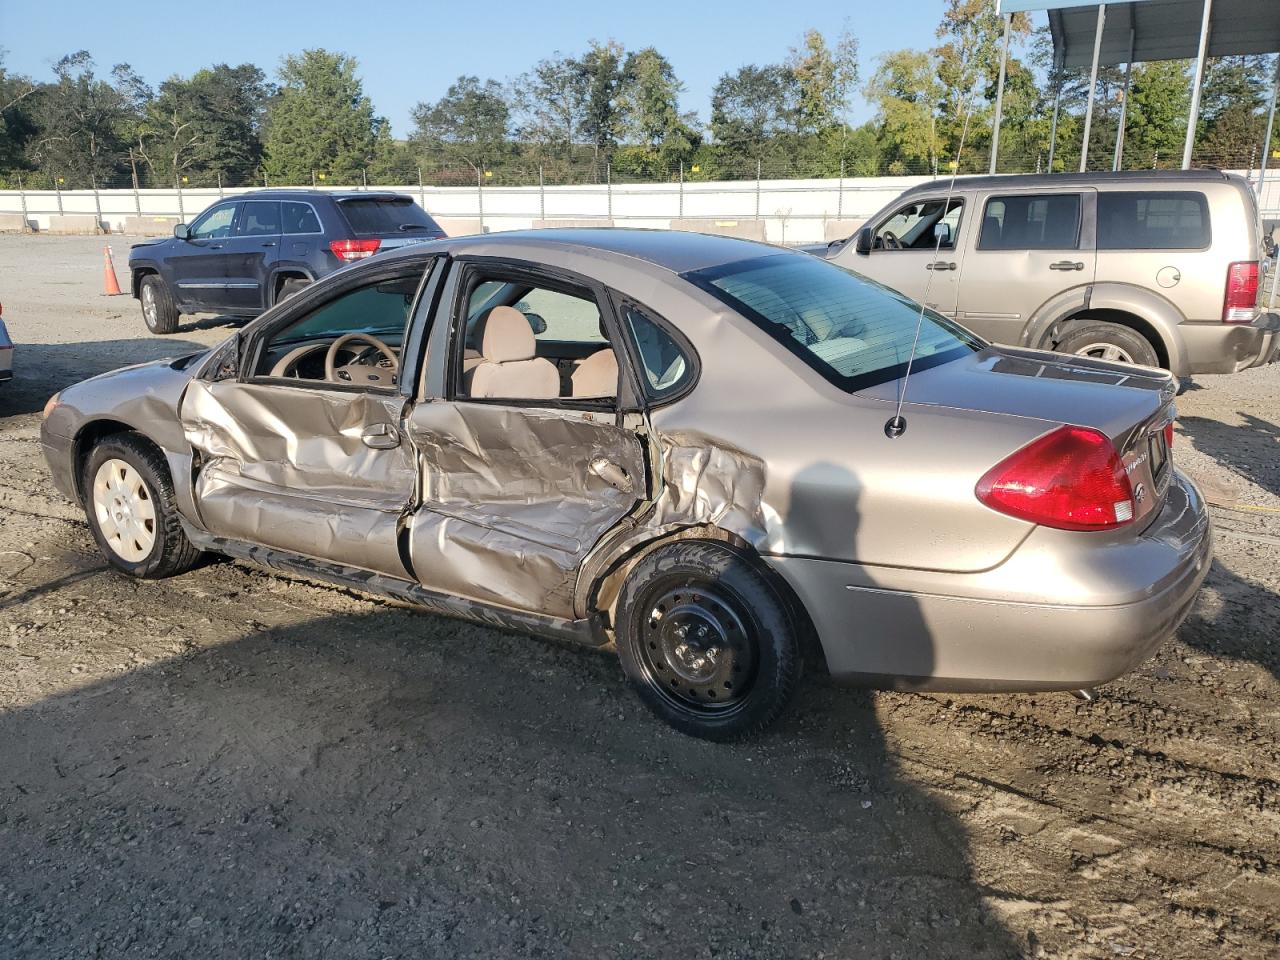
point(129, 502)
point(159, 312)
point(291, 286)
point(1109, 341)
point(707, 640)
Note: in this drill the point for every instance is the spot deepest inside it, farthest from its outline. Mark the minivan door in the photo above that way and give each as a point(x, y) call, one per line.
point(908, 255)
point(1028, 248)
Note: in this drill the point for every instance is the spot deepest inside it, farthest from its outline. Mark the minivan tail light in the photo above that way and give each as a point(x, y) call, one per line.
point(1239, 304)
point(1071, 478)
point(354, 249)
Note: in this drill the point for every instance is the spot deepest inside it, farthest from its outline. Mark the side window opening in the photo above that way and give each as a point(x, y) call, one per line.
point(216, 224)
point(1031, 222)
point(1151, 220)
point(259, 218)
point(299, 217)
point(912, 227)
point(526, 341)
point(355, 338)
point(665, 366)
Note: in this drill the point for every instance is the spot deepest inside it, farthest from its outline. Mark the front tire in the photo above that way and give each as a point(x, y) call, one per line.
point(707, 640)
point(159, 312)
point(1109, 341)
point(129, 502)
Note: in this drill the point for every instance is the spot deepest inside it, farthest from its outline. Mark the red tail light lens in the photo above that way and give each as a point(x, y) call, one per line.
point(354, 249)
point(1239, 304)
point(1071, 479)
point(1168, 435)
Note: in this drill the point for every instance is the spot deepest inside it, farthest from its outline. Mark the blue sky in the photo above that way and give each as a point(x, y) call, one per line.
point(412, 51)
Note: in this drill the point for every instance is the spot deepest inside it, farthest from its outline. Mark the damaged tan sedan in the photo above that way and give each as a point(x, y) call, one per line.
point(684, 445)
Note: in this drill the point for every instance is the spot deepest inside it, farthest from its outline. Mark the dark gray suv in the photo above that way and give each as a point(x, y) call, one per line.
point(247, 252)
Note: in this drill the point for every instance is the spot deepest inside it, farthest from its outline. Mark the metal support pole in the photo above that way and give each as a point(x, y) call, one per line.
point(1118, 161)
point(1193, 117)
point(758, 170)
point(221, 192)
point(182, 212)
point(542, 194)
point(58, 187)
point(313, 179)
point(1266, 140)
point(422, 191)
point(364, 178)
point(608, 186)
point(681, 211)
point(1004, 60)
point(22, 195)
point(840, 192)
point(480, 196)
point(1053, 126)
point(137, 199)
point(97, 202)
point(1093, 83)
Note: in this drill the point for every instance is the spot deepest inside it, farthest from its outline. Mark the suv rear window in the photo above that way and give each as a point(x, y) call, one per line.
point(1031, 222)
point(1152, 220)
point(380, 215)
point(854, 332)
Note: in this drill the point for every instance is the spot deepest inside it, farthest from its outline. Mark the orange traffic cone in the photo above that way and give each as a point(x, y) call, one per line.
point(110, 285)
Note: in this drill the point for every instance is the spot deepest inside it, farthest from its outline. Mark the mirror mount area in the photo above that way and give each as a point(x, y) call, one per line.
point(862, 244)
point(182, 231)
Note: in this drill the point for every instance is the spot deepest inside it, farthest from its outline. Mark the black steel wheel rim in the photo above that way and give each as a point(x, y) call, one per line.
point(695, 649)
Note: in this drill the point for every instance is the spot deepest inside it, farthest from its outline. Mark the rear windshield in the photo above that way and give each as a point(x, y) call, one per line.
point(854, 332)
point(1153, 221)
point(380, 215)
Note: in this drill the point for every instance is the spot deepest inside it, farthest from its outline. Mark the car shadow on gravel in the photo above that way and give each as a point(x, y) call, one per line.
point(42, 369)
point(1251, 450)
point(1242, 622)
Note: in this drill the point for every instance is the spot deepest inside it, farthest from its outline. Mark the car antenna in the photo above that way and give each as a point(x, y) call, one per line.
point(896, 425)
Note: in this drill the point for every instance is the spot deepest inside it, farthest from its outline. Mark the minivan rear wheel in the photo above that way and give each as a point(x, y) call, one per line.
point(1109, 341)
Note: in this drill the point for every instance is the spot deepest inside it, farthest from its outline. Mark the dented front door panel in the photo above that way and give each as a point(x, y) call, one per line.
point(514, 498)
point(324, 473)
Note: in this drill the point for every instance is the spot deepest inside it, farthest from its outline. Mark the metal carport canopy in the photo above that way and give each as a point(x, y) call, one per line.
point(1162, 29)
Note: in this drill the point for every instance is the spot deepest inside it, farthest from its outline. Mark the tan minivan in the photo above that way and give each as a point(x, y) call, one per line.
point(1161, 268)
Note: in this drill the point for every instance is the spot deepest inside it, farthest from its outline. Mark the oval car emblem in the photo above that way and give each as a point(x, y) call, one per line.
point(1139, 493)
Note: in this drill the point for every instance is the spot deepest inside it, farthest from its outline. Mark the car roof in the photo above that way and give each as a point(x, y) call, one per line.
point(676, 251)
point(302, 193)
point(1052, 180)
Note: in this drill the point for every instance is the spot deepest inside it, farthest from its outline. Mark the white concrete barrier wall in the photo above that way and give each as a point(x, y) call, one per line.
point(793, 211)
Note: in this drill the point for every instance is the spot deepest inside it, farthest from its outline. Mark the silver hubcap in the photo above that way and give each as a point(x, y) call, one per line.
point(149, 304)
point(124, 510)
point(1105, 351)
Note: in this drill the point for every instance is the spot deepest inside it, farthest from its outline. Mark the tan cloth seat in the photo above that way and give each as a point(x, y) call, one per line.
point(597, 375)
point(508, 366)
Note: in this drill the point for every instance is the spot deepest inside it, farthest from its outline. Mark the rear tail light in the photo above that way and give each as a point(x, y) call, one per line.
point(354, 249)
point(1168, 435)
point(1071, 479)
point(1240, 301)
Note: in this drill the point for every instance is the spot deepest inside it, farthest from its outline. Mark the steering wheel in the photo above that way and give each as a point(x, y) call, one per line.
point(355, 371)
point(890, 240)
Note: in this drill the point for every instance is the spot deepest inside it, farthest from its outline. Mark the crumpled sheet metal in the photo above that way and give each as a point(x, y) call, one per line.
point(507, 496)
point(706, 483)
point(288, 468)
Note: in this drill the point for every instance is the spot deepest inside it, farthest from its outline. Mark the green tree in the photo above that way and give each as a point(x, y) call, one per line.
point(320, 120)
point(905, 91)
point(17, 125)
point(83, 123)
point(753, 106)
point(658, 134)
point(551, 101)
point(825, 77)
point(600, 72)
point(1156, 120)
point(471, 123)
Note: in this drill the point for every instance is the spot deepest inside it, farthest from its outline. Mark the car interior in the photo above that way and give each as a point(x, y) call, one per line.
point(354, 338)
point(912, 227)
point(532, 342)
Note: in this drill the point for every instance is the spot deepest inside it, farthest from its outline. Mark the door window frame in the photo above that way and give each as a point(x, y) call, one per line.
point(960, 198)
point(449, 339)
point(258, 334)
point(301, 233)
point(235, 206)
point(1084, 220)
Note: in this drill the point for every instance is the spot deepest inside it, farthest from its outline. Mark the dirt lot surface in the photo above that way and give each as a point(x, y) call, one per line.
point(233, 764)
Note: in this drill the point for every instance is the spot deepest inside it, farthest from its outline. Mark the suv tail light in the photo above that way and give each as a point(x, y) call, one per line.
point(354, 249)
point(1071, 479)
point(1168, 435)
point(1240, 301)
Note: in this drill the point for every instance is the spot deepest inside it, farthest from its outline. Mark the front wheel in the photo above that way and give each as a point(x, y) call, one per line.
point(159, 312)
point(1109, 341)
point(707, 641)
point(129, 502)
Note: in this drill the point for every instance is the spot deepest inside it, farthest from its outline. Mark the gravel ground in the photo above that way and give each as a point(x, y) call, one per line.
point(234, 764)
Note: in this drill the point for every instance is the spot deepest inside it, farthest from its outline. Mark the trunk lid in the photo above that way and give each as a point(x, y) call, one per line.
point(1131, 405)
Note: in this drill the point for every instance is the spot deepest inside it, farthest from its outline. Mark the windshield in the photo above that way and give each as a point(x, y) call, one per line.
point(854, 332)
point(381, 215)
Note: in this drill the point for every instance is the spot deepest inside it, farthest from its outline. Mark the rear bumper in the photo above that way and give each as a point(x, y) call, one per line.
point(1228, 348)
point(968, 632)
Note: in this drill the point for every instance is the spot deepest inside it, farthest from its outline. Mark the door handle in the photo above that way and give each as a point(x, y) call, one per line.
point(215, 246)
point(1066, 265)
point(268, 243)
point(940, 265)
point(612, 474)
point(381, 436)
